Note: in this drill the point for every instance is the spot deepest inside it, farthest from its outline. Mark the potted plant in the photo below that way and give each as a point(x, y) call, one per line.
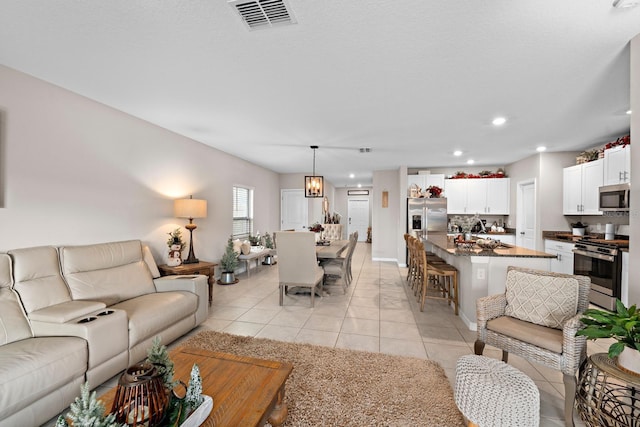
point(229, 262)
point(623, 325)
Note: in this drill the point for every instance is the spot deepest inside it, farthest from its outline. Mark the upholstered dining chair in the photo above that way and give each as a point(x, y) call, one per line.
point(341, 267)
point(297, 263)
point(537, 318)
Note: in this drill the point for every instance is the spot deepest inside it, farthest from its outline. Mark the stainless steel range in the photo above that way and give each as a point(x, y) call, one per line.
point(601, 261)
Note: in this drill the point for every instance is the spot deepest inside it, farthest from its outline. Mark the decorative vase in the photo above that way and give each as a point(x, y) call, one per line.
point(317, 237)
point(227, 277)
point(629, 360)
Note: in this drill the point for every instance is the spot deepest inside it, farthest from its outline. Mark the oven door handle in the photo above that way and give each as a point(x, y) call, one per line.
point(609, 258)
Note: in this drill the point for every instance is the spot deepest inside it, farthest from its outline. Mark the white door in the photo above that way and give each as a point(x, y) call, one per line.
point(526, 227)
point(358, 217)
point(294, 210)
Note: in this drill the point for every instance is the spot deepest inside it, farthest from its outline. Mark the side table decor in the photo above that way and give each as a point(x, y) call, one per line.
point(607, 395)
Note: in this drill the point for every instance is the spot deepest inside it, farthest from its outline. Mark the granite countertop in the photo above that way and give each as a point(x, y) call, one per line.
point(441, 241)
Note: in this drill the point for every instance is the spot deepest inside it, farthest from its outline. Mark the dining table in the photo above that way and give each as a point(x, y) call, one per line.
point(332, 250)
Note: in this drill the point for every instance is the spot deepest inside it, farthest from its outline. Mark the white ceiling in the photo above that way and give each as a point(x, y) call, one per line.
point(412, 79)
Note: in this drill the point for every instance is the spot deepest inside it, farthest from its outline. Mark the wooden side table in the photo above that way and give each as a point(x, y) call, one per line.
point(202, 267)
point(606, 395)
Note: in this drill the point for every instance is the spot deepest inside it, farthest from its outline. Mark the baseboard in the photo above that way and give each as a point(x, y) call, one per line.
point(385, 259)
point(473, 326)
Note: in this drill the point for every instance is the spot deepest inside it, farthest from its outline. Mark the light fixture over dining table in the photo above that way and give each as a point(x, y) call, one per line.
point(314, 184)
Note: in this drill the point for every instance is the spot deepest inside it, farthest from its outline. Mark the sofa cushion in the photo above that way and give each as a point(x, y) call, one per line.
point(541, 336)
point(542, 299)
point(13, 323)
point(152, 313)
point(107, 272)
point(31, 369)
point(37, 277)
point(151, 263)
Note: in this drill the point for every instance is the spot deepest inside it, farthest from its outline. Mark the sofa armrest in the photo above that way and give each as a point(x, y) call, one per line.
point(194, 283)
point(63, 312)
point(574, 348)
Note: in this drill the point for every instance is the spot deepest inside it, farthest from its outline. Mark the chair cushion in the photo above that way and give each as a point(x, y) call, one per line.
point(542, 299)
point(152, 313)
point(540, 336)
point(31, 369)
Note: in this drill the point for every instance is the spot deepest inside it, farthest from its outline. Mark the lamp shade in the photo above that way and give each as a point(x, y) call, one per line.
point(190, 208)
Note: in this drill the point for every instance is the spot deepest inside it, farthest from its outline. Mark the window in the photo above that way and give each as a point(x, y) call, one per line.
point(242, 212)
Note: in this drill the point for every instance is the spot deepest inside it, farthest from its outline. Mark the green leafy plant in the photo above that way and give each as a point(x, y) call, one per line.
point(87, 411)
point(158, 355)
point(254, 240)
point(623, 325)
point(229, 260)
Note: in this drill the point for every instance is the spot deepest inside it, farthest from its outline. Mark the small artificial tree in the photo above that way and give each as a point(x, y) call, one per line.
point(229, 260)
point(268, 241)
point(87, 411)
point(158, 355)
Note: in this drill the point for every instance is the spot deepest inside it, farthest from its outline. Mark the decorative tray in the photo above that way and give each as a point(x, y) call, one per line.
point(465, 245)
point(201, 413)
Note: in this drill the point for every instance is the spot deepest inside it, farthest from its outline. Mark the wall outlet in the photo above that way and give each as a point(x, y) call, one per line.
point(481, 274)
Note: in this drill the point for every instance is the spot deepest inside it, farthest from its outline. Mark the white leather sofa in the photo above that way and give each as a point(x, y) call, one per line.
point(83, 313)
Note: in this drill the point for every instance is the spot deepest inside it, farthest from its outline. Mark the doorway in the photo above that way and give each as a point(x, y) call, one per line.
point(526, 211)
point(358, 217)
point(294, 210)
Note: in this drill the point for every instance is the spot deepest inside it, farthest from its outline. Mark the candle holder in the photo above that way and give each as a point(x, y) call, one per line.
point(141, 398)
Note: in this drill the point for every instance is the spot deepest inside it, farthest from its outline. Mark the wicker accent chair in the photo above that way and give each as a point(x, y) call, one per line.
point(500, 323)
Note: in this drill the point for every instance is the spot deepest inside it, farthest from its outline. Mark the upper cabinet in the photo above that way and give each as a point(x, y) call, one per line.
point(617, 165)
point(489, 196)
point(424, 182)
point(580, 189)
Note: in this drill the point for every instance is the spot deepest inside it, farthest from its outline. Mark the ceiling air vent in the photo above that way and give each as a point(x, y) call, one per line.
point(258, 14)
point(365, 150)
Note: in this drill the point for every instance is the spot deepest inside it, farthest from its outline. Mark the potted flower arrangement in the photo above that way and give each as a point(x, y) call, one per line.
point(317, 228)
point(623, 325)
point(229, 263)
point(434, 191)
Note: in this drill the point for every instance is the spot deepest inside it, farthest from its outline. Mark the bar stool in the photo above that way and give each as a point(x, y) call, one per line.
point(442, 278)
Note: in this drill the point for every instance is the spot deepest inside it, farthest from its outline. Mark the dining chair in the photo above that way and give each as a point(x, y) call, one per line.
point(297, 263)
point(341, 267)
point(537, 318)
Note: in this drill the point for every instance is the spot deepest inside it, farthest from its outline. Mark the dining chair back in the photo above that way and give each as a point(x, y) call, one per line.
point(297, 263)
point(341, 267)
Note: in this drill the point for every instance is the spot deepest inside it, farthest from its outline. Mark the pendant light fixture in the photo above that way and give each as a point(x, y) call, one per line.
point(314, 185)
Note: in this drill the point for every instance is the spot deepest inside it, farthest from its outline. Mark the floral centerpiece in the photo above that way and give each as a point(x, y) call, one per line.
point(465, 223)
point(316, 227)
point(434, 191)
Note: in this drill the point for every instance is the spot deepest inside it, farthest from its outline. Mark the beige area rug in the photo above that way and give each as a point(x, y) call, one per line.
point(337, 387)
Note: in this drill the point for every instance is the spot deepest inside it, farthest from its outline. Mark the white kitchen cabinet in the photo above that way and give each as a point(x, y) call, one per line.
point(580, 188)
point(481, 195)
point(425, 181)
point(563, 263)
point(617, 165)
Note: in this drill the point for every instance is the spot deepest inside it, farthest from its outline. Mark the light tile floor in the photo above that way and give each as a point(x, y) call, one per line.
point(377, 313)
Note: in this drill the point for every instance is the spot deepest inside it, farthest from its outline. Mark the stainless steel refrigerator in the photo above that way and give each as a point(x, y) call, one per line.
point(426, 216)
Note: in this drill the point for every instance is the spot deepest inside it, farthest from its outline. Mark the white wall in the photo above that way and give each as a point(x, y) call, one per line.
point(634, 217)
point(386, 222)
point(74, 171)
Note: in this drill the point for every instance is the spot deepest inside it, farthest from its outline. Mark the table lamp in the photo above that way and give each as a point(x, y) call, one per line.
point(190, 208)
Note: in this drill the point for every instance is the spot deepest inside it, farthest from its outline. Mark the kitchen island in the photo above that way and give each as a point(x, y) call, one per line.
point(483, 272)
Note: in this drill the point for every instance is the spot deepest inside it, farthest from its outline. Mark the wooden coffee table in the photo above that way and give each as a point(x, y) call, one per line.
point(245, 391)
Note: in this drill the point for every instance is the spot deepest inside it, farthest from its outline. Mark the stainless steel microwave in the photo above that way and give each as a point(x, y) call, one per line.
point(614, 198)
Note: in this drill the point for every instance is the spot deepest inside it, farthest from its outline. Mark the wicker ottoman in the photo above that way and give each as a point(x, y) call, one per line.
point(491, 393)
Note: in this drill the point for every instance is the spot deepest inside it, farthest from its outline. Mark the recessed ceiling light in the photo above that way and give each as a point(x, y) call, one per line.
point(359, 185)
point(457, 153)
point(624, 4)
point(541, 149)
point(352, 176)
point(499, 121)
point(629, 112)
point(470, 162)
